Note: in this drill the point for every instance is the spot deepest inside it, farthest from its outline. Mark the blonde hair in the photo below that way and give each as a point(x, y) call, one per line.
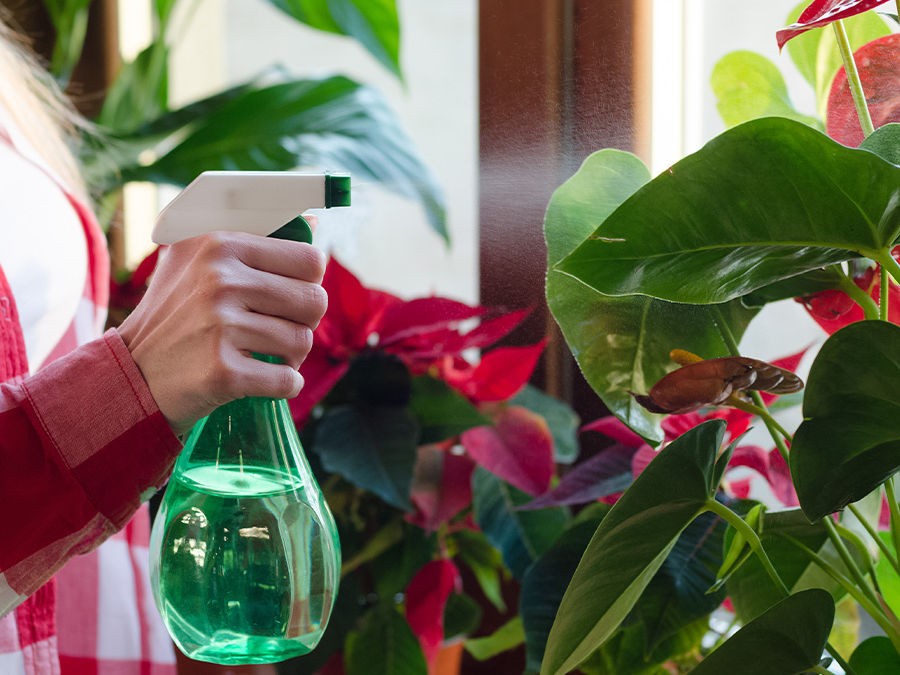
point(37, 107)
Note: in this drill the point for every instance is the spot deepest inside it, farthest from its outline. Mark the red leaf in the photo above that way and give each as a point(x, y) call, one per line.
point(518, 449)
point(488, 332)
point(823, 12)
point(407, 319)
point(441, 486)
point(878, 63)
point(827, 308)
point(426, 598)
point(614, 428)
point(353, 311)
point(591, 480)
point(500, 374)
point(320, 373)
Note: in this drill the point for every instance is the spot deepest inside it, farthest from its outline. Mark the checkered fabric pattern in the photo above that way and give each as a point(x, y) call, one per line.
point(81, 441)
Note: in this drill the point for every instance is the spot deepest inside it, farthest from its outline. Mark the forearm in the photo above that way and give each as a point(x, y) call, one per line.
point(81, 442)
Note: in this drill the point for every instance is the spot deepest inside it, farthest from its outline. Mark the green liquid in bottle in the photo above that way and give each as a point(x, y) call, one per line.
point(245, 559)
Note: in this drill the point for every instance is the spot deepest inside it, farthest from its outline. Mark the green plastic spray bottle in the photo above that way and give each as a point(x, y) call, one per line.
point(244, 554)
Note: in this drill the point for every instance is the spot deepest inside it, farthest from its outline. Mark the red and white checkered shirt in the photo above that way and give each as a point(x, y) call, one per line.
point(81, 443)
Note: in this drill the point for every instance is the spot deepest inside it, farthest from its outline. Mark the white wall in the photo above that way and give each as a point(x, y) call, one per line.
point(383, 238)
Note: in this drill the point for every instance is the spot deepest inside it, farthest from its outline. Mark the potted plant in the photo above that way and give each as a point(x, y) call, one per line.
point(642, 268)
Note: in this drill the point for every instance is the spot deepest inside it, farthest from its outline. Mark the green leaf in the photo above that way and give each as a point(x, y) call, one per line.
point(750, 587)
point(442, 412)
point(816, 54)
point(747, 86)
point(560, 417)
point(888, 579)
point(140, 91)
point(334, 123)
point(884, 142)
point(70, 22)
point(794, 287)
point(521, 536)
point(385, 645)
point(462, 616)
point(372, 447)
point(678, 595)
point(486, 564)
point(394, 569)
point(787, 640)
point(875, 656)
point(625, 653)
point(631, 544)
point(762, 202)
point(849, 442)
point(508, 636)
point(373, 23)
point(544, 585)
point(621, 344)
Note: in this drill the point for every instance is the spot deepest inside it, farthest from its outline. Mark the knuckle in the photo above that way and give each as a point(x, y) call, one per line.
point(316, 261)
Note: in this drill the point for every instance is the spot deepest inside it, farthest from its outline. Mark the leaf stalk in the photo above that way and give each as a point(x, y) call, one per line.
point(853, 80)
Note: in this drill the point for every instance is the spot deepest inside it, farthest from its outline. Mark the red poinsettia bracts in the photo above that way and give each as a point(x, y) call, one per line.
point(426, 598)
point(421, 332)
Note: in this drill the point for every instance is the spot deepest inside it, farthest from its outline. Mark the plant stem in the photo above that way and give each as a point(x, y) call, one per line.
point(848, 560)
point(760, 412)
point(856, 89)
point(871, 608)
point(895, 513)
point(752, 539)
point(873, 533)
point(860, 297)
point(884, 299)
point(887, 262)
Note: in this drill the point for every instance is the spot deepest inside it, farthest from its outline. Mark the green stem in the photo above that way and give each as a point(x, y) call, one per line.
point(873, 533)
point(895, 512)
point(851, 536)
point(752, 539)
point(856, 89)
point(760, 412)
point(848, 560)
point(884, 299)
point(860, 297)
point(871, 608)
point(887, 262)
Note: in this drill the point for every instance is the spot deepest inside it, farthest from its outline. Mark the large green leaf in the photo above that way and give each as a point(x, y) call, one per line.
point(817, 280)
point(816, 54)
point(787, 640)
point(849, 442)
point(631, 544)
point(679, 593)
point(884, 142)
point(333, 123)
point(875, 656)
point(747, 86)
point(544, 585)
point(621, 344)
point(521, 536)
point(752, 590)
point(385, 645)
point(373, 23)
point(374, 447)
point(764, 201)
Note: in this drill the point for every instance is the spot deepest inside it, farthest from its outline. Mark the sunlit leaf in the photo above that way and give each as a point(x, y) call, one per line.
point(747, 86)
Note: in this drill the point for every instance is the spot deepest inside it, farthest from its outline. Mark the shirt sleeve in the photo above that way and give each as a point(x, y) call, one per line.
point(82, 443)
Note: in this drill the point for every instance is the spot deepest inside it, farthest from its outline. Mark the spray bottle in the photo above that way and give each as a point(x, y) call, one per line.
point(244, 553)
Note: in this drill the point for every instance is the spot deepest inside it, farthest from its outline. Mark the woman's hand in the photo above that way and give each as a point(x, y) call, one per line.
point(214, 301)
